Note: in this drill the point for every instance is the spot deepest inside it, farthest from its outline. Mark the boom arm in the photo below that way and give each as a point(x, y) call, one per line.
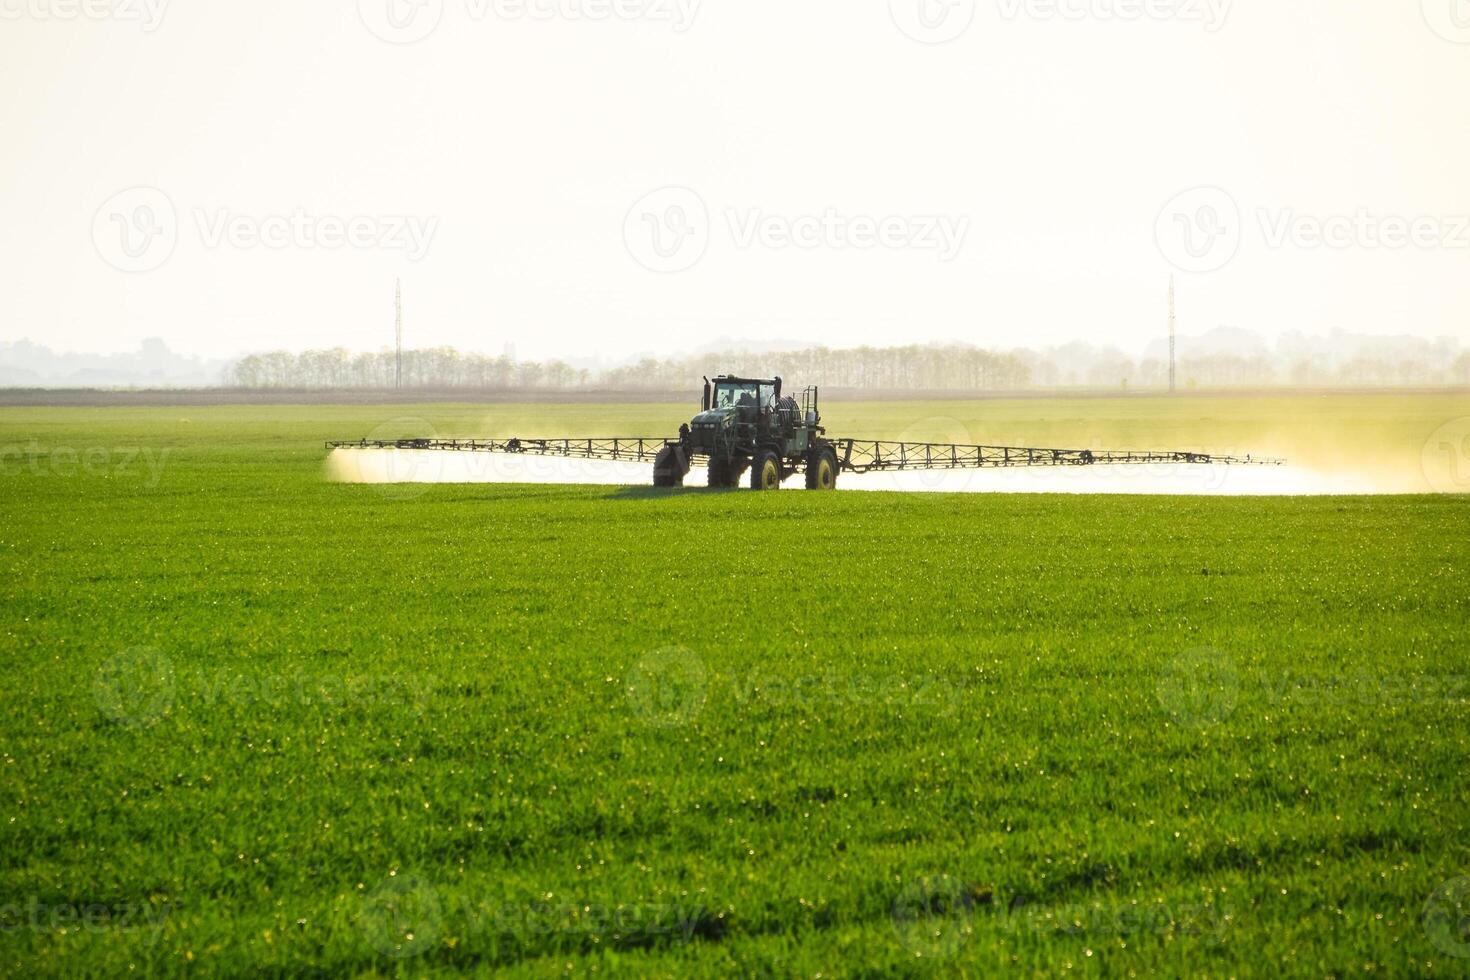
point(855, 456)
point(864, 456)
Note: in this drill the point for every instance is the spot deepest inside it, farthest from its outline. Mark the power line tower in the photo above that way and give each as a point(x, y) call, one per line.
point(1173, 323)
point(398, 332)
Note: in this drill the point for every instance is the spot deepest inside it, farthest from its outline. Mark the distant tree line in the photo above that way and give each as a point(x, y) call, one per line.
point(438, 367)
point(916, 367)
point(957, 367)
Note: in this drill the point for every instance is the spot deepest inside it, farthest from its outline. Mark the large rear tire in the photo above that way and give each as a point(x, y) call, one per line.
point(766, 473)
point(821, 469)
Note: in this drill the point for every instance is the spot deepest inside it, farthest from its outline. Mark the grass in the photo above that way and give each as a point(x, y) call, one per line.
point(259, 723)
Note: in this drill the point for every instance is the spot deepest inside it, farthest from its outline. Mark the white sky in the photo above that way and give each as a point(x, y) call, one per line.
point(529, 139)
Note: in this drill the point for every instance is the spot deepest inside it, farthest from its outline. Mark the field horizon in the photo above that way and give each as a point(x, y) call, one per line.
point(144, 397)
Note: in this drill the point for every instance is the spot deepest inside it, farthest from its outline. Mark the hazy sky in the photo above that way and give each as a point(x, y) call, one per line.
point(1002, 172)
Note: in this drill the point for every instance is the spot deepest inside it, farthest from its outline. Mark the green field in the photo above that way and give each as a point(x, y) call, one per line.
point(255, 722)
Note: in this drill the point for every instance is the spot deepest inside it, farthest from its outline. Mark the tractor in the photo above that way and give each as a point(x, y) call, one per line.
point(748, 425)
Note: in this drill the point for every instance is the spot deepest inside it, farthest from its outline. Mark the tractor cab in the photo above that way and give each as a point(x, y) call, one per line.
point(748, 397)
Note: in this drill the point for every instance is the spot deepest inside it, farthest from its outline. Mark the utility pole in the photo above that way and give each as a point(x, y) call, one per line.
point(398, 332)
point(1173, 323)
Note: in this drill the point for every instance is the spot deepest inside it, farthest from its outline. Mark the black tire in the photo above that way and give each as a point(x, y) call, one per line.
point(765, 474)
point(669, 467)
point(720, 474)
point(821, 469)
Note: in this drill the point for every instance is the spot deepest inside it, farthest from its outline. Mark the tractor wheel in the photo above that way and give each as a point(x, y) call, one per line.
point(669, 467)
point(821, 470)
point(720, 474)
point(766, 473)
